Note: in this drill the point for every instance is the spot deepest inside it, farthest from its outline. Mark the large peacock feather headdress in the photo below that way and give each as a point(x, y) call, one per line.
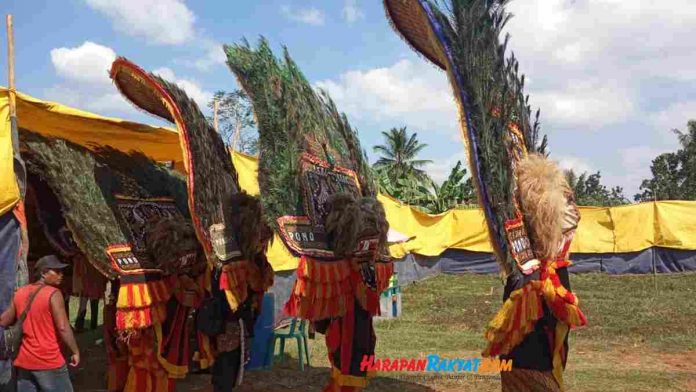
point(210, 175)
point(224, 218)
point(113, 204)
point(316, 186)
point(308, 152)
point(463, 37)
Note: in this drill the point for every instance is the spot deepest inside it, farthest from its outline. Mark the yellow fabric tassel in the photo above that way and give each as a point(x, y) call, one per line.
point(502, 334)
point(561, 332)
point(347, 380)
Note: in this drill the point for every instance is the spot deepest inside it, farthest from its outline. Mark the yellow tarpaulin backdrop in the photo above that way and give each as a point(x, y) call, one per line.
point(80, 127)
point(9, 192)
point(602, 230)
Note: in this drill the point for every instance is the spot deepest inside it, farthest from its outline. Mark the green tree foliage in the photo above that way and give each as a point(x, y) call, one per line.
point(236, 121)
point(399, 171)
point(455, 191)
point(399, 174)
point(673, 173)
point(398, 156)
point(589, 190)
point(407, 189)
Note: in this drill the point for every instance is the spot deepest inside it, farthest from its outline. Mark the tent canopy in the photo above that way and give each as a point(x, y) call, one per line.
point(52, 119)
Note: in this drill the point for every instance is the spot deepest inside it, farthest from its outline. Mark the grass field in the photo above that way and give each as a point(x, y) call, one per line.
point(641, 337)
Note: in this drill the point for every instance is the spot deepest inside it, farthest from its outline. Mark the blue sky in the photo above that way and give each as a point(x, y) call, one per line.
point(611, 77)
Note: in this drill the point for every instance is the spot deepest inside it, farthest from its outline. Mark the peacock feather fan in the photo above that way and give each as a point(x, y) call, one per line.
point(294, 121)
point(211, 177)
point(289, 111)
point(465, 38)
point(85, 183)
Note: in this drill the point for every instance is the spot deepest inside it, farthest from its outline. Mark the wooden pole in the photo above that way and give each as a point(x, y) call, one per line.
point(10, 66)
point(237, 130)
point(19, 167)
point(216, 105)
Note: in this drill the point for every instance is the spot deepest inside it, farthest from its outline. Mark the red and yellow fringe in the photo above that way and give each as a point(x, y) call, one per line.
point(140, 305)
point(523, 308)
point(233, 282)
point(558, 352)
point(238, 277)
point(146, 374)
point(322, 289)
point(514, 320)
point(562, 302)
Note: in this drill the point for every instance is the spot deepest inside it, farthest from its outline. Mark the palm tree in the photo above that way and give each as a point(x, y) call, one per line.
point(571, 178)
point(398, 155)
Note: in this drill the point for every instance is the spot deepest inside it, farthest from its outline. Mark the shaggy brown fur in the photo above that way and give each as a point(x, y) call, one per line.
point(342, 223)
point(375, 221)
point(253, 233)
point(168, 240)
point(350, 220)
point(542, 190)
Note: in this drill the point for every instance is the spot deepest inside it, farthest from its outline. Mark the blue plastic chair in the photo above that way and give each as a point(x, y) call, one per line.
point(297, 329)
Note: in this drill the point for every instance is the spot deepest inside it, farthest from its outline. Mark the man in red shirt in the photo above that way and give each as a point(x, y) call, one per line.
point(40, 365)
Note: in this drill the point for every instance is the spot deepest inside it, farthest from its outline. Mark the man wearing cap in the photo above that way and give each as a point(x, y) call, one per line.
point(40, 365)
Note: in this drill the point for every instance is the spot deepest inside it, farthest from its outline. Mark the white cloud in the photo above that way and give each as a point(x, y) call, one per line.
point(638, 157)
point(674, 116)
point(191, 87)
point(168, 22)
point(86, 83)
point(635, 162)
point(586, 106)
point(578, 165)
point(633, 167)
point(603, 65)
point(214, 55)
point(88, 63)
point(441, 168)
point(165, 73)
point(311, 16)
point(612, 47)
point(351, 12)
point(414, 94)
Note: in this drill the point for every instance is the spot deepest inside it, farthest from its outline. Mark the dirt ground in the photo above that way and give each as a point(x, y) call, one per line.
point(286, 377)
point(641, 337)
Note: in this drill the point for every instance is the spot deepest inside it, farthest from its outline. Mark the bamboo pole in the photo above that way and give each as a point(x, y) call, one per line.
point(237, 131)
point(216, 105)
point(10, 66)
point(22, 276)
point(19, 167)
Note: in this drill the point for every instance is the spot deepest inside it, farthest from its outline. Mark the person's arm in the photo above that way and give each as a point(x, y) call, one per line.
point(8, 316)
point(62, 324)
